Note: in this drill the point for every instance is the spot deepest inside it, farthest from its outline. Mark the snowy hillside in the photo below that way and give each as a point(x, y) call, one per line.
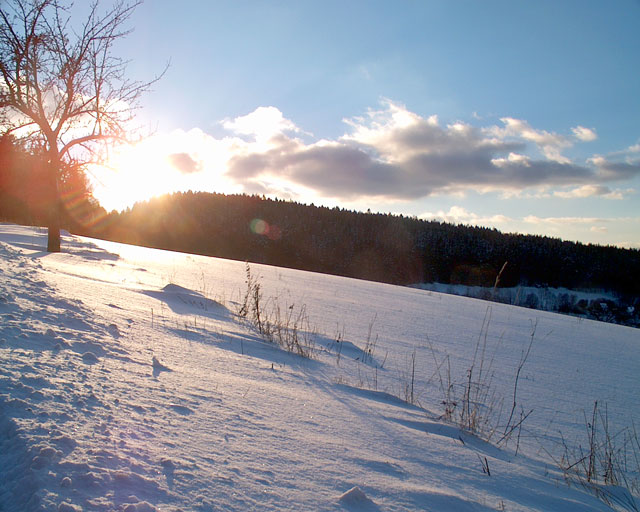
point(128, 382)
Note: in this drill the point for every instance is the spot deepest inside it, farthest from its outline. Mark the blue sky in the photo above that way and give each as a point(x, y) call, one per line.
point(524, 116)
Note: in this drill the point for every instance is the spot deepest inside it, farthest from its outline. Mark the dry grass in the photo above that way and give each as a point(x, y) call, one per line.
point(606, 463)
point(286, 326)
point(471, 401)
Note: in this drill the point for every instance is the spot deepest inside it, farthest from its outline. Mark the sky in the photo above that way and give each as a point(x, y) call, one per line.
point(523, 116)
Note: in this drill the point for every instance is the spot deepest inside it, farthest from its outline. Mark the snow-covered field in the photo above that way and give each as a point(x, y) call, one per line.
point(128, 383)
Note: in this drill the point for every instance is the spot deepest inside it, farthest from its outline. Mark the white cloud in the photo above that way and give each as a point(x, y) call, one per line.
point(608, 170)
point(511, 159)
point(595, 229)
point(593, 191)
point(264, 123)
point(584, 134)
point(565, 226)
point(629, 154)
point(460, 215)
point(550, 144)
point(634, 149)
point(378, 127)
point(559, 221)
point(393, 153)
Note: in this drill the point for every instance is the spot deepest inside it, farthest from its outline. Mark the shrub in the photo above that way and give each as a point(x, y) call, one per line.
point(289, 329)
point(607, 463)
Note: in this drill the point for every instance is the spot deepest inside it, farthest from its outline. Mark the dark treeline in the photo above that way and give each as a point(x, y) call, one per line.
point(387, 248)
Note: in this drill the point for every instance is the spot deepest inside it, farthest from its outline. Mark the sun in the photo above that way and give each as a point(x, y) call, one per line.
point(135, 173)
point(177, 161)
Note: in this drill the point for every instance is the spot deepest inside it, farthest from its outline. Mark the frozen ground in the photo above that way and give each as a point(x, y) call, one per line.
point(128, 383)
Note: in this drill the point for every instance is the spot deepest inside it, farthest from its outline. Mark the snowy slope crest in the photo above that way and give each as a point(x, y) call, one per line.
point(128, 384)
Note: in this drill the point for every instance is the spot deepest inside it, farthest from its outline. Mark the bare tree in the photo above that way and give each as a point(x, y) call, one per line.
point(61, 88)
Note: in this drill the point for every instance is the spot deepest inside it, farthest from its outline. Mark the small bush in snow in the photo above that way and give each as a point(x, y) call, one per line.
point(288, 327)
point(607, 464)
point(471, 401)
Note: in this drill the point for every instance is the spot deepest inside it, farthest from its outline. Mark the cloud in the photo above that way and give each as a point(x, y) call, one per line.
point(628, 155)
point(595, 229)
point(512, 158)
point(396, 154)
point(533, 219)
point(263, 123)
point(555, 226)
point(593, 191)
point(584, 134)
point(184, 163)
point(460, 215)
point(615, 171)
point(392, 154)
point(550, 144)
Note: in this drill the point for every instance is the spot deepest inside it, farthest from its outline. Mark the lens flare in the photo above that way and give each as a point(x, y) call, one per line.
point(262, 227)
point(259, 227)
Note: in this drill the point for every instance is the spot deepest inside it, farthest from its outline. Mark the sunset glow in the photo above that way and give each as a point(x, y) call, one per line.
point(153, 167)
point(124, 179)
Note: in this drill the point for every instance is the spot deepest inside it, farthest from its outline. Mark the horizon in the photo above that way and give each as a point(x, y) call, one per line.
point(517, 117)
point(313, 205)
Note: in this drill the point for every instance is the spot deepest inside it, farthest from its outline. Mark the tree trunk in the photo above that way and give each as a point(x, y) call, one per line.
point(53, 242)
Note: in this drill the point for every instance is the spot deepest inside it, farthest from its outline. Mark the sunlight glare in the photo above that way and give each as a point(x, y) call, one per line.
point(133, 173)
point(155, 166)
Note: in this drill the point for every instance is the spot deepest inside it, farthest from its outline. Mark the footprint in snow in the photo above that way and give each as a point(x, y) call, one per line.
point(158, 367)
point(181, 409)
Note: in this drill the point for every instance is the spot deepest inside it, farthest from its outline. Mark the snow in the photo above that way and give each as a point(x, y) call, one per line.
point(574, 302)
point(128, 383)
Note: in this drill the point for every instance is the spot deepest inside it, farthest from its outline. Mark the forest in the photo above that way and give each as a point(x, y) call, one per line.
point(381, 247)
